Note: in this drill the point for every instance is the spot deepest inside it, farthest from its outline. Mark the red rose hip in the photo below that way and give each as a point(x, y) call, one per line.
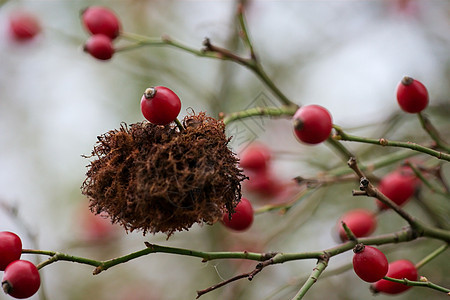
point(21, 279)
point(99, 46)
point(369, 263)
point(262, 182)
point(23, 25)
point(255, 157)
point(10, 248)
point(160, 105)
point(360, 221)
point(397, 186)
point(101, 20)
point(398, 269)
point(412, 95)
point(242, 218)
point(312, 124)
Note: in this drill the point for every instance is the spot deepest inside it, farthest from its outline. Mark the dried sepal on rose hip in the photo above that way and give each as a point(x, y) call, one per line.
point(369, 263)
point(160, 105)
point(158, 179)
point(101, 20)
point(21, 279)
point(312, 124)
point(10, 248)
point(412, 95)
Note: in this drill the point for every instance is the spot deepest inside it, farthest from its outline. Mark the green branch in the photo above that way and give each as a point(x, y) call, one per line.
point(341, 135)
point(432, 187)
point(432, 132)
point(431, 256)
point(320, 267)
point(210, 51)
point(422, 283)
point(260, 111)
point(267, 259)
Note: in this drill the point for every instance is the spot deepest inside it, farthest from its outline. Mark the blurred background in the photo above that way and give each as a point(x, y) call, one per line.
point(345, 55)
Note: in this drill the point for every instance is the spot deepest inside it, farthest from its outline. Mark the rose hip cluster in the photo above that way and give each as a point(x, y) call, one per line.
point(20, 278)
point(104, 26)
point(371, 265)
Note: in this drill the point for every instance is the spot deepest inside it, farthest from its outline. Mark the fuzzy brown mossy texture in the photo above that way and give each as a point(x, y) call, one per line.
point(160, 179)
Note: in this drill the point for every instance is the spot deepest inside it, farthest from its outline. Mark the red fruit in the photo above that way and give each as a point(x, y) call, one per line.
point(412, 95)
point(242, 218)
point(101, 20)
point(21, 279)
point(369, 263)
point(360, 221)
point(99, 46)
point(262, 182)
point(312, 124)
point(95, 228)
point(10, 248)
point(255, 157)
point(160, 105)
point(398, 269)
point(397, 186)
point(23, 25)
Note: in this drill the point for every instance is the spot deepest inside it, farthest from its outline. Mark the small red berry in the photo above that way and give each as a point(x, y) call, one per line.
point(242, 218)
point(312, 124)
point(412, 95)
point(262, 182)
point(397, 186)
point(160, 105)
point(101, 20)
point(95, 228)
point(10, 248)
point(21, 279)
point(360, 221)
point(369, 263)
point(99, 46)
point(398, 269)
point(23, 25)
point(255, 157)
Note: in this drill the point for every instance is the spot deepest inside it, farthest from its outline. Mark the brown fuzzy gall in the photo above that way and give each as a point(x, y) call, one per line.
point(159, 179)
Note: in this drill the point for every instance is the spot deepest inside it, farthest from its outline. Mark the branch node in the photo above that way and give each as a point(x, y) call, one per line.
point(363, 183)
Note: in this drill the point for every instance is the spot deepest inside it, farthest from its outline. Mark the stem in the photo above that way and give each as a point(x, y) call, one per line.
point(141, 41)
point(260, 111)
point(261, 74)
point(179, 125)
point(244, 31)
point(418, 226)
point(350, 235)
point(341, 135)
point(432, 132)
point(345, 153)
point(210, 51)
point(426, 181)
point(432, 255)
point(320, 267)
point(424, 283)
point(384, 161)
